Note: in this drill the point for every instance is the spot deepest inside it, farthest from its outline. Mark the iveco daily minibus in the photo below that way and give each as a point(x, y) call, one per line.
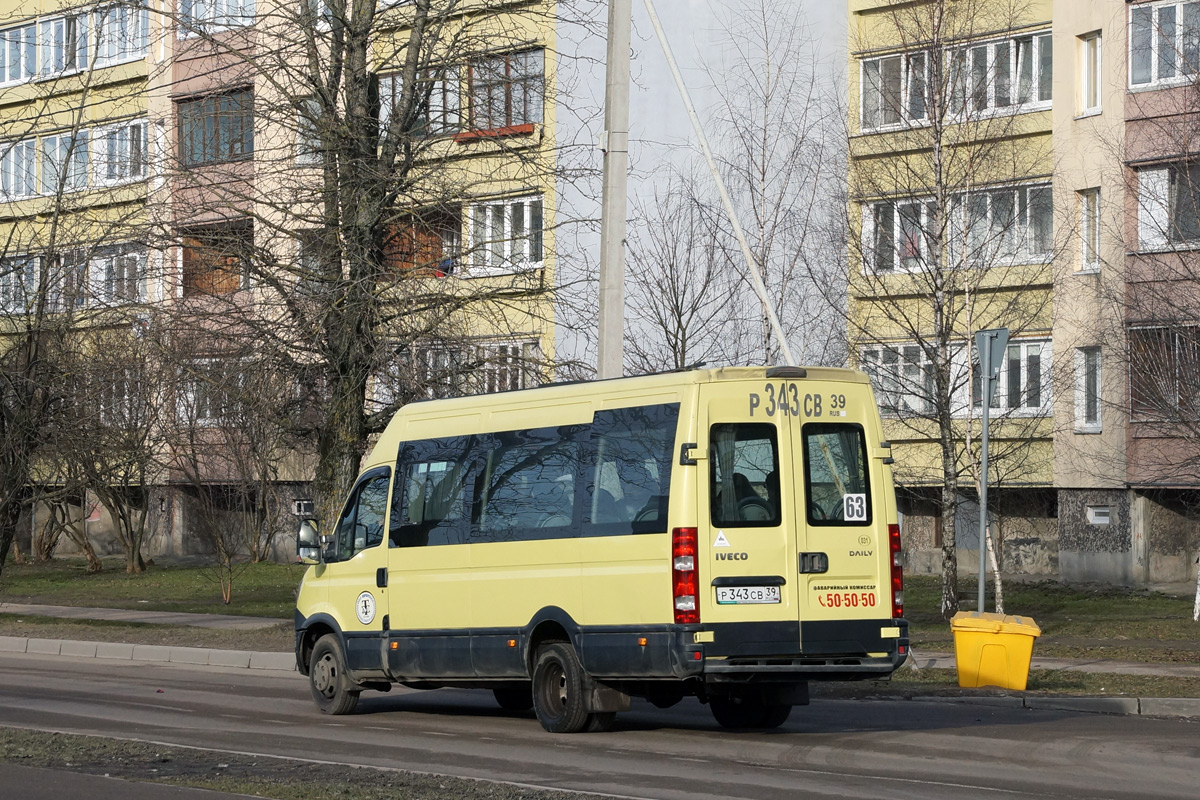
point(728, 534)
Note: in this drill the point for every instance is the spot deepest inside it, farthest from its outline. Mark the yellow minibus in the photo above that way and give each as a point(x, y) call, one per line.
point(729, 534)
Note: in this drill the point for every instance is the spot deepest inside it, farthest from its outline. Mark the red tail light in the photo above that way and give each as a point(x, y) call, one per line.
point(683, 576)
point(897, 570)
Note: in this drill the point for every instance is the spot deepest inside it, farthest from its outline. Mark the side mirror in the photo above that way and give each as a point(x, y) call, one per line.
point(308, 543)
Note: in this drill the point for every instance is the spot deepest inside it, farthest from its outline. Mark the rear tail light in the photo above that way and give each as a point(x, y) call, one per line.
point(897, 570)
point(683, 575)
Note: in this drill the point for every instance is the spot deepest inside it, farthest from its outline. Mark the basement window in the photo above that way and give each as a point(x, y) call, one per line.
point(1099, 515)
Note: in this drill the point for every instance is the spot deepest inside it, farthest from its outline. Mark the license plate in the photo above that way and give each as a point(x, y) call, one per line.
point(737, 595)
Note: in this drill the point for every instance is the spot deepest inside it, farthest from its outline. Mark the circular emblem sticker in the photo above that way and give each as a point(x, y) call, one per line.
point(364, 607)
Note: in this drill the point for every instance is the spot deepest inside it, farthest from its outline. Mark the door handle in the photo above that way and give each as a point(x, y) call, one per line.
point(381, 577)
point(813, 563)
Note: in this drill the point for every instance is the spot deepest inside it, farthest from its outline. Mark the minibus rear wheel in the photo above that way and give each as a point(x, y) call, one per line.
point(558, 689)
point(747, 713)
point(331, 687)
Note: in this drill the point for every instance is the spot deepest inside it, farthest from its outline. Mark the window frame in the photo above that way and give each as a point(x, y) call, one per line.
point(490, 254)
point(963, 102)
point(480, 91)
point(1003, 397)
point(442, 115)
point(70, 172)
point(27, 151)
point(19, 280)
point(103, 139)
point(132, 41)
point(200, 121)
point(1155, 57)
point(1088, 389)
point(215, 16)
point(902, 376)
point(27, 46)
point(912, 85)
point(1091, 74)
point(1090, 210)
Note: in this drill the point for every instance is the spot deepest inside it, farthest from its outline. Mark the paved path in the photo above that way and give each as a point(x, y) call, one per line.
point(225, 621)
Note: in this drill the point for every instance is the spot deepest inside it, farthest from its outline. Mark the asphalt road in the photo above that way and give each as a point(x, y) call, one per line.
point(844, 749)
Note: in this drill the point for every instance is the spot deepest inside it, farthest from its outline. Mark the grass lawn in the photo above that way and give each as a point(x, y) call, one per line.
point(1112, 623)
point(262, 590)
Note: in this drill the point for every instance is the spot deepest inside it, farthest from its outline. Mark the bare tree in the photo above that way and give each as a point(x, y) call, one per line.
point(780, 156)
point(950, 193)
point(680, 286)
point(394, 208)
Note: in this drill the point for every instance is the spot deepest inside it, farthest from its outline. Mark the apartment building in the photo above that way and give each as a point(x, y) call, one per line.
point(1025, 167)
point(186, 165)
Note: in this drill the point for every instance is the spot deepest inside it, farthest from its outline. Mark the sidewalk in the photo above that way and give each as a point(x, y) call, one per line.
point(1185, 707)
point(226, 621)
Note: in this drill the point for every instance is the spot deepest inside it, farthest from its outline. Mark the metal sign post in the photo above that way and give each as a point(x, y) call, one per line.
point(990, 345)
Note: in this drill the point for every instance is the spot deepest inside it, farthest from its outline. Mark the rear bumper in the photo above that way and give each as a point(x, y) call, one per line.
point(752, 652)
point(819, 650)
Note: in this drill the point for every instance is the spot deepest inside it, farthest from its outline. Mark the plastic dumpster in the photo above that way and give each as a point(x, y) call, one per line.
point(993, 649)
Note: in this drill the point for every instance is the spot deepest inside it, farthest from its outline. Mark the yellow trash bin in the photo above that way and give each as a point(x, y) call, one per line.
point(993, 649)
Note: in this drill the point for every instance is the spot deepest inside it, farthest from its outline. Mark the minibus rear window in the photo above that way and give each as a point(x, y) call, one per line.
point(744, 475)
point(836, 487)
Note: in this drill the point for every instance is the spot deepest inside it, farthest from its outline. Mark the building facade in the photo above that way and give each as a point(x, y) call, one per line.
point(1025, 167)
point(182, 183)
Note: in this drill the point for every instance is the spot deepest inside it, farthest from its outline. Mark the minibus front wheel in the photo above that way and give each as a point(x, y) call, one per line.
point(332, 689)
point(558, 689)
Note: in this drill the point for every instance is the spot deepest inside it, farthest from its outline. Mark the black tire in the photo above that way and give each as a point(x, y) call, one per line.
point(558, 689)
point(775, 715)
point(514, 699)
point(332, 689)
point(601, 721)
point(739, 714)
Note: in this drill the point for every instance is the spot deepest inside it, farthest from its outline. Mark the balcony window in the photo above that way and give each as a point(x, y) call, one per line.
point(506, 234)
point(65, 162)
point(64, 44)
point(437, 107)
point(216, 261)
point(427, 245)
point(121, 34)
point(894, 90)
point(120, 152)
point(211, 16)
point(1164, 43)
point(1012, 74)
point(18, 53)
point(217, 129)
point(1169, 206)
point(18, 282)
point(506, 91)
point(18, 177)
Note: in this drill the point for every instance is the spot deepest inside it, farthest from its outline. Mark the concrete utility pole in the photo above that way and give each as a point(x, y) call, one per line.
point(615, 143)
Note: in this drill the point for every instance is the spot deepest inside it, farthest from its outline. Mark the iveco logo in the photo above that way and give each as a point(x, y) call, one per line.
point(733, 556)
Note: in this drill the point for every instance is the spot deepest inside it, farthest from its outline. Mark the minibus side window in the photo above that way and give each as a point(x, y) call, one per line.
point(432, 498)
point(629, 470)
point(836, 483)
point(528, 486)
point(744, 475)
point(361, 523)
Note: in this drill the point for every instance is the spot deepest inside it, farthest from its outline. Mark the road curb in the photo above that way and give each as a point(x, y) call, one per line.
point(152, 654)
